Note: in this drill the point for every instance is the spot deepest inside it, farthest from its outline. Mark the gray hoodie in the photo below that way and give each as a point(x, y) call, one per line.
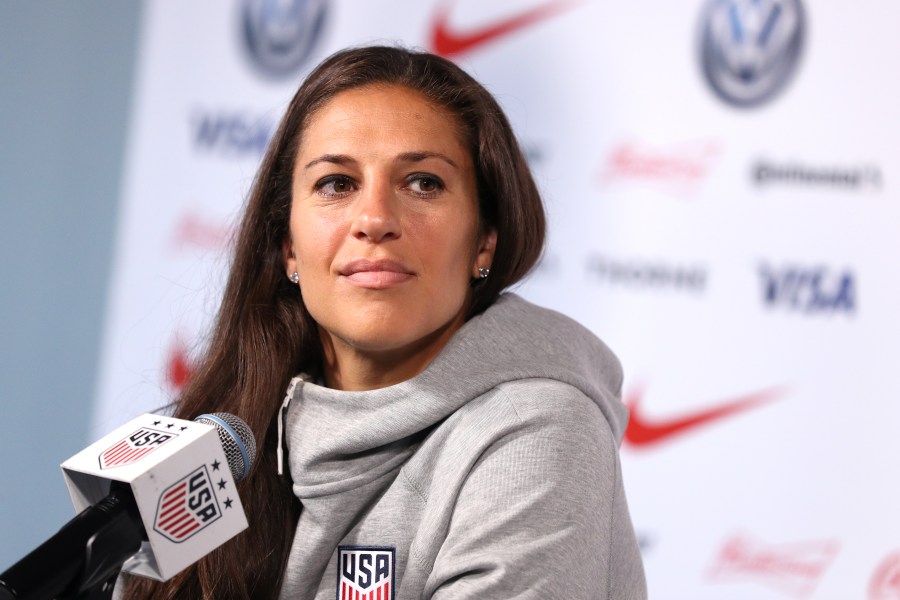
point(494, 473)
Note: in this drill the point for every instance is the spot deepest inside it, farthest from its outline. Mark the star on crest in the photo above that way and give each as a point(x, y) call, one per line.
point(221, 484)
point(228, 502)
point(215, 465)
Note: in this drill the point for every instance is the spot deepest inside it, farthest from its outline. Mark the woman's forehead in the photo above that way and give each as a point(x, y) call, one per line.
point(381, 117)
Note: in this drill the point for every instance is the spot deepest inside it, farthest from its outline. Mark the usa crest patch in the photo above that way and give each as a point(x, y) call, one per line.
point(365, 573)
point(134, 447)
point(187, 506)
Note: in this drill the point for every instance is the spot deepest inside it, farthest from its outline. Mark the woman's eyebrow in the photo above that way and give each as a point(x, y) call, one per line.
point(421, 155)
point(337, 159)
point(415, 156)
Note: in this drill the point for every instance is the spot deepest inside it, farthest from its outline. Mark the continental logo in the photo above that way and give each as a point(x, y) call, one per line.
point(768, 174)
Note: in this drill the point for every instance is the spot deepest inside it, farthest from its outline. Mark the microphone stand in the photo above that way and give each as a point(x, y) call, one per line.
point(83, 560)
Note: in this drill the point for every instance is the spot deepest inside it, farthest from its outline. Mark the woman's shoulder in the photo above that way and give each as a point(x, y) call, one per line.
point(537, 501)
point(555, 413)
point(543, 400)
point(525, 404)
point(532, 411)
point(531, 353)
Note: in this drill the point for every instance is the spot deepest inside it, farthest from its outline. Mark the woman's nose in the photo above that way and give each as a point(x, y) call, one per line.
point(375, 218)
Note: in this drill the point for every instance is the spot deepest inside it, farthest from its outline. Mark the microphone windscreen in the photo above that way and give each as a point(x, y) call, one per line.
point(237, 440)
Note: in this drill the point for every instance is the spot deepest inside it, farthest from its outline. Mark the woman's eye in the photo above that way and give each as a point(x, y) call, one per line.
point(425, 185)
point(334, 186)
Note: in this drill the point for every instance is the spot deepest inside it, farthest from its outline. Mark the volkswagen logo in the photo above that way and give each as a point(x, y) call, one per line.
point(751, 48)
point(280, 34)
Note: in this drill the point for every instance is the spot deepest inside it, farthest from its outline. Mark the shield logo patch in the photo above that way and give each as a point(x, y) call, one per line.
point(187, 506)
point(134, 447)
point(365, 573)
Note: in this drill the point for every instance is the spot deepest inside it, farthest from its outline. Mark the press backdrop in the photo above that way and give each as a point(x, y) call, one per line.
point(719, 177)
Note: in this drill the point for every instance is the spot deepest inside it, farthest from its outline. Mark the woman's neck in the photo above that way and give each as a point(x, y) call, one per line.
point(348, 367)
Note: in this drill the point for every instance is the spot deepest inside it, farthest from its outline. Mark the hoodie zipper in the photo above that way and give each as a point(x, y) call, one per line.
point(282, 415)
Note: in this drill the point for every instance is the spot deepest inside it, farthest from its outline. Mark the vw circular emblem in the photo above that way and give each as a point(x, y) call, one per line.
point(280, 34)
point(751, 48)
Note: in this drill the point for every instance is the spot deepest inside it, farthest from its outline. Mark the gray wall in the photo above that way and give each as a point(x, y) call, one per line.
point(66, 72)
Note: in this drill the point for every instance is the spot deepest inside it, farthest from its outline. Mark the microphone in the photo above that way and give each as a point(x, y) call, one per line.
point(154, 497)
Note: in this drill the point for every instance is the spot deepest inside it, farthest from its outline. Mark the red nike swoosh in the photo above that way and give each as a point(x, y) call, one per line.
point(178, 366)
point(450, 43)
point(642, 432)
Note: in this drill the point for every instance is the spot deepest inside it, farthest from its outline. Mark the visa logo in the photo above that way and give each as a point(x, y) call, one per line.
point(815, 290)
point(233, 134)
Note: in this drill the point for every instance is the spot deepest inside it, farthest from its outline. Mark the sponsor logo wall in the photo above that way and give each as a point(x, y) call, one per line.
point(719, 178)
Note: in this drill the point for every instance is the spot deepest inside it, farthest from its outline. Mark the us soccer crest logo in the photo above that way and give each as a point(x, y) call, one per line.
point(365, 573)
point(187, 507)
point(134, 447)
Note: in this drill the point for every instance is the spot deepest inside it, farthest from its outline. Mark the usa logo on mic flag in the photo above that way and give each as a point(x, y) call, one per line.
point(134, 447)
point(365, 573)
point(188, 506)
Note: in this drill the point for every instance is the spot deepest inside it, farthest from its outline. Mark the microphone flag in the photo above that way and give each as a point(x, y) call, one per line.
point(181, 482)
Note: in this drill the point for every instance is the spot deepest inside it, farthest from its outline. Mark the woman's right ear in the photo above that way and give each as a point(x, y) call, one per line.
point(290, 260)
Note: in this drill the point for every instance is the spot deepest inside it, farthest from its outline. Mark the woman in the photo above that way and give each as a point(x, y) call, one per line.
point(443, 440)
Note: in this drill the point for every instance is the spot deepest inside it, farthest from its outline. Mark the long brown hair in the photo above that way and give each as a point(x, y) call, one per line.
point(263, 334)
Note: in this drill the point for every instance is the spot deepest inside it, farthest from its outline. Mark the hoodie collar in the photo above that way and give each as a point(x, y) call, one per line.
point(340, 440)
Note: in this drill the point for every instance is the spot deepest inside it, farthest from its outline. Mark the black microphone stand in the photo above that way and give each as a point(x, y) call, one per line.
point(84, 559)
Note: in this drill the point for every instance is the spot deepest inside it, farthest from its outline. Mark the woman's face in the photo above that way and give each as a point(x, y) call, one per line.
point(384, 223)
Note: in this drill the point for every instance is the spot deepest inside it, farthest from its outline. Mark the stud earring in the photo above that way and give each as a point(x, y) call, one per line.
point(295, 277)
point(483, 272)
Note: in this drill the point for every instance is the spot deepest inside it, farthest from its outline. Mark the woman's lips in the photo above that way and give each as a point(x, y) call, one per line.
point(378, 279)
point(375, 273)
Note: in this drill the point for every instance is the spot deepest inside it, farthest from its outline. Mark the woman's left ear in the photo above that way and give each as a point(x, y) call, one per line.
point(287, 253)
point(485, 257)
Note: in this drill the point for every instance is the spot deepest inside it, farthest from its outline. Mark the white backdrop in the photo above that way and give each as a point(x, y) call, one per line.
point(736, 250)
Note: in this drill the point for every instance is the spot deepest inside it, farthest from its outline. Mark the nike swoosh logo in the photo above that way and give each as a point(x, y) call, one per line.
point(643, 432)
point(453, 43)
point(178, 367)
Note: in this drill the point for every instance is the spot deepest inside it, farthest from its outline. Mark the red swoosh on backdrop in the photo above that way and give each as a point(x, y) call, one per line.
point(642, 432)
point(451, 43)
point(178, 366)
